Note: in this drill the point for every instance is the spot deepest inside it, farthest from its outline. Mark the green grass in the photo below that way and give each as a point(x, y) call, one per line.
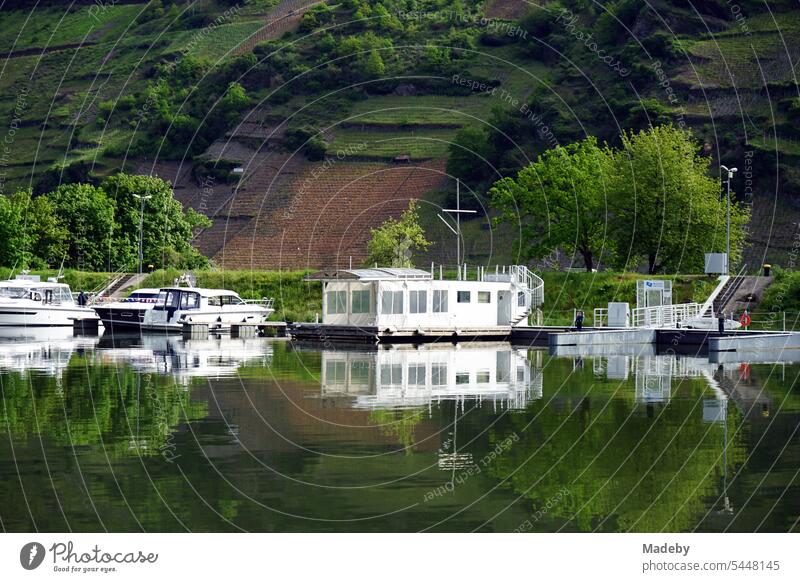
point(51, 27)
point(419, 144)
point(425, 109)
point(216, 42)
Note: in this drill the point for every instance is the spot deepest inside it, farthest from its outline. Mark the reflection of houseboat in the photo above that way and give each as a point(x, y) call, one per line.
point(219, 308)
point(392, 304)
point(29, 302)
point(408, 377)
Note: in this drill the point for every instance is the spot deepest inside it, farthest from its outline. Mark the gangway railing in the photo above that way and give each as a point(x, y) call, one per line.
point(664, 315)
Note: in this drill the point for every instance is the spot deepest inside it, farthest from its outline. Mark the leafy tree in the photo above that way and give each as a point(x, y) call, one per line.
point(393, 243)
point(560, 200)
point(373, 65)
point(166, 229)
point(667, 209)
point(15, 239)
point(470, 156)
point(87, 213)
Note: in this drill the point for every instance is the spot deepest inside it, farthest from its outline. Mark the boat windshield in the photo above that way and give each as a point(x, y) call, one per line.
point(142, 297)
point(13, 292)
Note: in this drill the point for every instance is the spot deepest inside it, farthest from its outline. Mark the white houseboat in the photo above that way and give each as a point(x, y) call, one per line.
point(391, 304)
point(27, 301)
point(218, 308)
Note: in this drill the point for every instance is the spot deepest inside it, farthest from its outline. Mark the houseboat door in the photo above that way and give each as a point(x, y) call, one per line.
point(504, 307)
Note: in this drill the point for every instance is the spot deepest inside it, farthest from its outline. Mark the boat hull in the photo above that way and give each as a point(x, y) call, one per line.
point(44, 316)
point(121, 318)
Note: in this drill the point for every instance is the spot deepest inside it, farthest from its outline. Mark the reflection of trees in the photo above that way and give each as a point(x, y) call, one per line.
point(399, 424)
point(624, 466)
point(90, 404)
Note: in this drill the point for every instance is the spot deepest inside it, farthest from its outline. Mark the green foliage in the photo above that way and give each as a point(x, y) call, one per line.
point(560, 200)
point(666, 208)
point(97, 227)
point(394, 242)
point(652, 201)
point(166, 230)
point(87, 212)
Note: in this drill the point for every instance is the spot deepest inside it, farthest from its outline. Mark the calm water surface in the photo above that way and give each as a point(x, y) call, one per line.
point(165, 434)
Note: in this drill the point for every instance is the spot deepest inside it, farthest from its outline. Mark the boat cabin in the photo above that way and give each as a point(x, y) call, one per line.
point(390, 298)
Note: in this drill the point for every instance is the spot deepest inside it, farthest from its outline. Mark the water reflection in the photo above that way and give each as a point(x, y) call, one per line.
point(185, 359)
point(493, 374)
point(268, 436)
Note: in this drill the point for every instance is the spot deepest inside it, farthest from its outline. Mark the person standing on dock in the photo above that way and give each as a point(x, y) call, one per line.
point(721, 322)
point(579, 320)
point(82, 299)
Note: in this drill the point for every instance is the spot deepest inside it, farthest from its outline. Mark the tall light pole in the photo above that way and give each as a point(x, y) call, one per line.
point(141, 198)
point(458, 212)
point(730, 171)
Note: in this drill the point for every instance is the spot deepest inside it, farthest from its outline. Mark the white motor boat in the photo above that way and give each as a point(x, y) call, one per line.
point(219, 308)
point(129, 312)
point(29, 302)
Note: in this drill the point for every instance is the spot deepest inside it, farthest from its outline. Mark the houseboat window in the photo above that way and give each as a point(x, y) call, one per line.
point(463, 297)
point(361, 301)
point(190, 300)
point(335, 372)
point(439, 374)
point(416, 374)
point(392, 302)
point(419, 301)
point(482, 377)
point(337, 301)
point(520, 373)
point(64, 295)
point(521, 299)
point(232, 300)
point(173, 299)
point(462, 377)
point(392, 374)
point(484, 296)
point(215, 301)
point(359, 372)
point(440, 301)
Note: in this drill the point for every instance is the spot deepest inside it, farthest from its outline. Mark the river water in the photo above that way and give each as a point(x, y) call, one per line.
point(165, 434)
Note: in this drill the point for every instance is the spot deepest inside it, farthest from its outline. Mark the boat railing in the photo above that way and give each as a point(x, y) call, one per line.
point(664, 315)
point(267, 302)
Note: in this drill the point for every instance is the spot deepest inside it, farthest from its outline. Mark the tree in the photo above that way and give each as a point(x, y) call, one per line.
point(667, 210)
point(560, 201)
point(87, 213)
point(166, 230)
point(373, 65)
point(15, 240)
point(393, 243)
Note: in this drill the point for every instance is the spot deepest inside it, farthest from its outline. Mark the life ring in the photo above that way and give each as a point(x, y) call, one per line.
point(745, 319)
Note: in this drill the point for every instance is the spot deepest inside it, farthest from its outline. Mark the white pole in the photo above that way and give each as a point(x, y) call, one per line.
point(458, 222)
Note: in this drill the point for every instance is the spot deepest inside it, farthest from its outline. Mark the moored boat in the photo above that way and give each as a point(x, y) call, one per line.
point(218, 308)
point(129, 312)
point(26, 301)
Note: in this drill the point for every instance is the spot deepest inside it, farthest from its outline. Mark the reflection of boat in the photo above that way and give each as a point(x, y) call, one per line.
point(214, 357)
point(408, 376)
point(40, 349)
point(129, 312)
point(28, 302)
point(218, 308)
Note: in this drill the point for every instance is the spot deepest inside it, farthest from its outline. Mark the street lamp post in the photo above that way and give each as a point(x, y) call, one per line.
point(730, 171)
point(141, 198)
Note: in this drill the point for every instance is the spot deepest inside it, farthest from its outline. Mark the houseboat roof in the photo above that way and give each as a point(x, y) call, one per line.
point(374, 274)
